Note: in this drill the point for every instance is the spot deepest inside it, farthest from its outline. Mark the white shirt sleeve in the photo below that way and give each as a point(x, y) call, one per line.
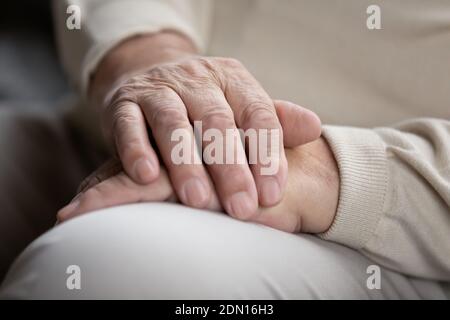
point(105, 23)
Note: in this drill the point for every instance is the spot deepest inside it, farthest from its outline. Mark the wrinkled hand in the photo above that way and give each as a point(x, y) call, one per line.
point(221, 94)
point(309, 203)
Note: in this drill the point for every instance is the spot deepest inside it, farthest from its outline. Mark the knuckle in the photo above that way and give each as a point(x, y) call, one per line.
point(158, 71)
point(195, 67)
point(230, 63)
point(218, 118)
point(160, 97)
point(125, 92)
point(169, 118)
point(259, 112)
point(228, 71)
point(160, 78)
point(117, 106)
point(92, 194)
point(210, 65)
point(235, 173)
point(198, 74)
point(123, 120)
point(102, 189)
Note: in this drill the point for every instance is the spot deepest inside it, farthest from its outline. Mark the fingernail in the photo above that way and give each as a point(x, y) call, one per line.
point(194, 193)
point(241, 205)
point(270, 192)
point(144, 170)
point(68, 210)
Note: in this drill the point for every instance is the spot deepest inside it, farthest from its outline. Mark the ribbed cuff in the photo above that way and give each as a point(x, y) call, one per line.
point(361, 158)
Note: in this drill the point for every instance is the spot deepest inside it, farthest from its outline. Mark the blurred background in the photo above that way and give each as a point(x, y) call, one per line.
point(35, 181)
point(30, 75)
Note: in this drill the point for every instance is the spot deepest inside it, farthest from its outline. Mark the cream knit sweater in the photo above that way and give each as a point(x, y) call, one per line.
point(394, 203)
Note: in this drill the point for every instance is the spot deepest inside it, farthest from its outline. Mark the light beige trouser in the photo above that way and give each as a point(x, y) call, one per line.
point(167, 251)
point(154, 250)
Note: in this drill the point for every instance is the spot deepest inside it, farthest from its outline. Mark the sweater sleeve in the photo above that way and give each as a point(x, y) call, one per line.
point(105, 23)
point(394, 203)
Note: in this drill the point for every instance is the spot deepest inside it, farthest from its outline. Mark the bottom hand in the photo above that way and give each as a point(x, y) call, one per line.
point(309, 203)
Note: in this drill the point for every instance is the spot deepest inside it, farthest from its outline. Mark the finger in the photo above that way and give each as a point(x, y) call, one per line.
point(300, 125)
point(253, 109)
point(132, 141)
point(169, 122)
point(117, 190)
point(108, 169)
point(223, 151)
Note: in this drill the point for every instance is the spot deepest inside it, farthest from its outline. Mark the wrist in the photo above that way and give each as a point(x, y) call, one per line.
point(134, 55)
point(313, 185)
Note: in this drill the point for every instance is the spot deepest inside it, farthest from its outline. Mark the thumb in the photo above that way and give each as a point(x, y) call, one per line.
point(299, 124)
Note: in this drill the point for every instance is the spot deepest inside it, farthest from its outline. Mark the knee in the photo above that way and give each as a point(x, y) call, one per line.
point(152, 251)
point(164, 251)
